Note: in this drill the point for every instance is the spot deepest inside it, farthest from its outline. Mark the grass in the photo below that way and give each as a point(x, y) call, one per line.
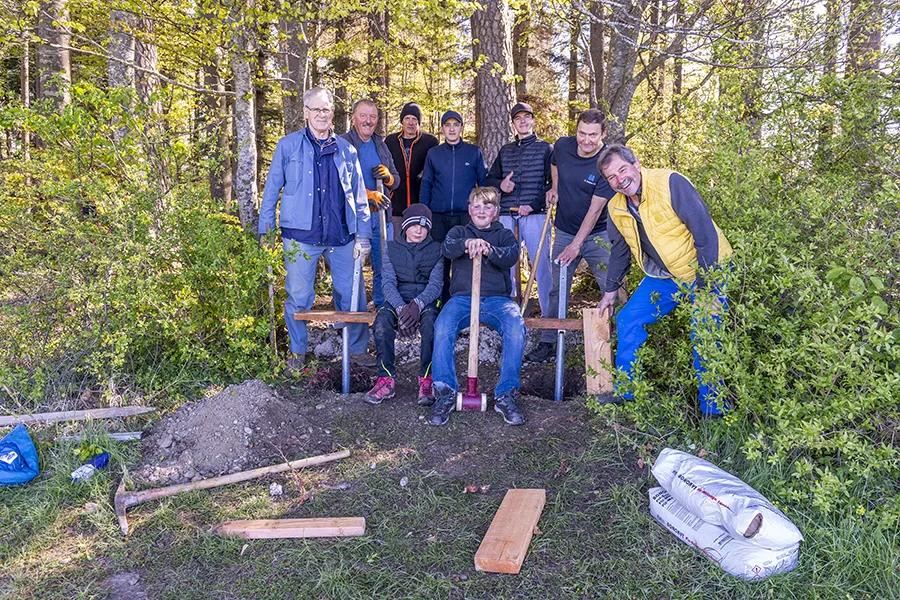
point(597, 539)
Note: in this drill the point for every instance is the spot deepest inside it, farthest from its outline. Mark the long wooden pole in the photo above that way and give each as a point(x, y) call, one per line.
point(75, 415)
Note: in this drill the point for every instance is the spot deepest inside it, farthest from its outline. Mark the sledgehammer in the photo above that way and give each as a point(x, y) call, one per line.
point(125, 500)
point(471, 399)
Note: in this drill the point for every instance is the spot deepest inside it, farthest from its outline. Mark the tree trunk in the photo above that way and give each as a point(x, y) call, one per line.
point(521, 48)
point(378, 80)
point(121, 45)
point(492, 51)
point(341, 65)
point(259, 108)
point(621, 81)
point(216, 126)
point(829, 71)
point(574, 31)
point(596, 55)
point(677, 85)
point(243, 66)
point(863, 36)
point(295, 66)
point(54, 61)
point(147, 57)
point(26, 102)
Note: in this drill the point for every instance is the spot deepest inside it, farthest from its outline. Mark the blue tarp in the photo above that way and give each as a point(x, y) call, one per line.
point(18, 457)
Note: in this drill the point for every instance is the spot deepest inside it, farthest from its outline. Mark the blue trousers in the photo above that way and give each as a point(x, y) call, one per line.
point(377, 294)
point(300, 263)
point(653, 299)
point(501, 314)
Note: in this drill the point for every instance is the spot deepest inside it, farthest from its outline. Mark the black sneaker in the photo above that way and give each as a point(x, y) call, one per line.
point(604, 399)
point(543, 352)
point(507, 405)
point(444, 404)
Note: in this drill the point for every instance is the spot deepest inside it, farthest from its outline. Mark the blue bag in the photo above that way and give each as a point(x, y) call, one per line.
point(18, 457)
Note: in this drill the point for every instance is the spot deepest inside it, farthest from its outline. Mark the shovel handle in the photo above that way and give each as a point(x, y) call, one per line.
point(474, 317)
point(531, 275)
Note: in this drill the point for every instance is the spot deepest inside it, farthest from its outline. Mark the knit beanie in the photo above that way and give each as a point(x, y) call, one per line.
point(416, 214)
point(411, 108)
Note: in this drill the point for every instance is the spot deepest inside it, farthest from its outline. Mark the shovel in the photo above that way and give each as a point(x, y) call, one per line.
point(471, 399)
point(345, 333)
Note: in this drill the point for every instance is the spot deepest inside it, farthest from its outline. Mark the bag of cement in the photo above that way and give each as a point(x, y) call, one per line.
point(734, 555)
point(722, 499)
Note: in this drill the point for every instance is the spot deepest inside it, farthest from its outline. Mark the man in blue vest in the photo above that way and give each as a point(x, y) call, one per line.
point(324, 211)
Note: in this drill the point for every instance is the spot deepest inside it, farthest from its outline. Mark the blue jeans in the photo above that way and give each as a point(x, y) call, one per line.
point(377, 294)
point(300, 263)
point(497, 312)
point(653, 299)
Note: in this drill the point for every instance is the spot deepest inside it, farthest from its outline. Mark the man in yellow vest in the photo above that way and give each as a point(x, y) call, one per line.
point(658, 217)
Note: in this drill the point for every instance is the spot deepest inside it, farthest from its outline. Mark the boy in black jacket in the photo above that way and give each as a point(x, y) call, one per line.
point(412, 273)
point(497, 246)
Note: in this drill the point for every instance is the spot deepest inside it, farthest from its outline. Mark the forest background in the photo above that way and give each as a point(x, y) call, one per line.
point(135, 136)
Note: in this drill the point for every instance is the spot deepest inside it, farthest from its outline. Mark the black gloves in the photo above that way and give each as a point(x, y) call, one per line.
point(408, 321)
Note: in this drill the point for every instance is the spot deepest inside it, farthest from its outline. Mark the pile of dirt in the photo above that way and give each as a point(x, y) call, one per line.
point(244, 426)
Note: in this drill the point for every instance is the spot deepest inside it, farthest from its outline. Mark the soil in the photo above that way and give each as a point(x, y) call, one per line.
point(252, 424)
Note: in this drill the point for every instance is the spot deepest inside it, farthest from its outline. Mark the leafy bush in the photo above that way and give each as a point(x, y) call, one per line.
point(119, 269)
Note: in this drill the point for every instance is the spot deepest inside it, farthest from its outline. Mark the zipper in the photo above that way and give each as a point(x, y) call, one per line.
point(453, 175)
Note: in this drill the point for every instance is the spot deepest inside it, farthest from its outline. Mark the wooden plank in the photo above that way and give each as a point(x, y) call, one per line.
point(597, 349)
point(506, 542)
point(75, 415)
point(293, 528)
point(333, 316)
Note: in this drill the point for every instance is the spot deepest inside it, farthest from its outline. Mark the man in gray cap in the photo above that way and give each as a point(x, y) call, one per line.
point(521, 172)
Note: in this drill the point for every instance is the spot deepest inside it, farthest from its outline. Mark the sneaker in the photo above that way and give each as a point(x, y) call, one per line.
point(543, 352)
point(295, 364)
point(383, 390)
point(363, 359)
point(426, 394)
point(444, 404)
point(507, 405)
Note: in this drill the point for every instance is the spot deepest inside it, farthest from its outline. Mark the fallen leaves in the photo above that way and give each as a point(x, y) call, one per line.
point(476, 489)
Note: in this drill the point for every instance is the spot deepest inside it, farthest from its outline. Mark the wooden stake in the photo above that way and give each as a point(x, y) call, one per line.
point(506, 542)
point(293, 528)
point(597, 350)
point(75, 415)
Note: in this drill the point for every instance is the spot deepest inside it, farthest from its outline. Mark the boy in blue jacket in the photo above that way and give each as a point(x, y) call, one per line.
point(452, 170)
point(484, 236)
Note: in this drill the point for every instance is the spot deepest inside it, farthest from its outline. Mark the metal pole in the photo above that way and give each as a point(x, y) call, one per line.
point(345, 334)
point(561, 334)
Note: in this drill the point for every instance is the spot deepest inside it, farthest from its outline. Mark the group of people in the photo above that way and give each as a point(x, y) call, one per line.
point(448, 209)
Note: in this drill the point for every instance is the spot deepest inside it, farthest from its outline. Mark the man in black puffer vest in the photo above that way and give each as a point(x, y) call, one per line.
point(521, 172)
point(412, 278)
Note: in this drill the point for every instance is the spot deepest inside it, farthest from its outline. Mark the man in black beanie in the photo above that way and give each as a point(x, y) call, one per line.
point(408, 148)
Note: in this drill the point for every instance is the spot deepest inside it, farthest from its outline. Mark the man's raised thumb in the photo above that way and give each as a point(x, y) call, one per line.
point(509, 177)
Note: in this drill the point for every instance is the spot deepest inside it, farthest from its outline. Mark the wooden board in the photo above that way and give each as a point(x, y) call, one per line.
point(597, 349)
point(333, 316)
point(506, 542)
point(293, 528)
point(75, 415)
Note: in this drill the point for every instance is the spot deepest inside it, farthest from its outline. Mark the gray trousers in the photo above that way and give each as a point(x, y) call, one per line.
point(595, 251)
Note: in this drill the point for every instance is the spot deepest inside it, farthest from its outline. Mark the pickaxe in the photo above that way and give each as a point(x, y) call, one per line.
point(125, 500)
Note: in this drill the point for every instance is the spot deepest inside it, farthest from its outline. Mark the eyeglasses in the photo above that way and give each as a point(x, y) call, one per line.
point(319, 111)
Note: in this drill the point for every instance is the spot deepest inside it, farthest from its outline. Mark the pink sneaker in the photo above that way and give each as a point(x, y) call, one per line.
point(383, 390)
point(426, 395)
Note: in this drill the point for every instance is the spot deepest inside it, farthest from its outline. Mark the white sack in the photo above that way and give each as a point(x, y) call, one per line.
point(735, 556)
point(722, 499)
